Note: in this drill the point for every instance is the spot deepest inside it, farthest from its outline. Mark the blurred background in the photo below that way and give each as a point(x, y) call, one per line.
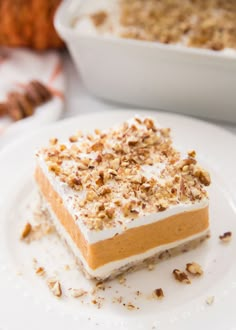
point(97, 55)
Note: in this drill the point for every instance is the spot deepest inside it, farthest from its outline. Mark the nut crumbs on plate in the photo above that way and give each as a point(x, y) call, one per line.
point(26, 231)
point(40, 271)
point(194, 268)
point(36, 232)
point(55, 287)
point(158, 293)
point(130, 306)
point(181, 276)
point(226, 237)
point(210, 300)
point(77, 293)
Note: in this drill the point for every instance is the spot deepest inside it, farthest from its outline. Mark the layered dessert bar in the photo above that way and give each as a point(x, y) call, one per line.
point(204, 24)
point(122, 197)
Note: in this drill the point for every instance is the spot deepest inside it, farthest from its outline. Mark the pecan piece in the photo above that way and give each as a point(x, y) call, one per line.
point(26, 231)
point(77, 293)
point(194, 268)
point(226, 237)
point(40, 271)
point(55, 287)
point(181, 276)
point(158, 293)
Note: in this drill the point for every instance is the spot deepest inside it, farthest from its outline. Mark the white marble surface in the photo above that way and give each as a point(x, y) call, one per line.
point(79, 101)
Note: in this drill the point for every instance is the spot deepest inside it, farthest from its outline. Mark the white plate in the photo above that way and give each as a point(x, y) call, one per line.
point(26, 300)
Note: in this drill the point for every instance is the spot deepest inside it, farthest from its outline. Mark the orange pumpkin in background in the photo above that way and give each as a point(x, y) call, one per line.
point(29, 23)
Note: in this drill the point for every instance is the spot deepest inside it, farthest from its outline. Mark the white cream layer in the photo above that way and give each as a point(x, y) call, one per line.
point(84, 25)
point(107, 269)
point(70, 199)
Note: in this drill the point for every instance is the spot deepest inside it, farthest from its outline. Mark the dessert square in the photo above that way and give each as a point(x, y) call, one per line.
point(123, 197)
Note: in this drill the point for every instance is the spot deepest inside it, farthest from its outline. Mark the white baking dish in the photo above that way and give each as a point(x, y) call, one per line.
point(149, 74)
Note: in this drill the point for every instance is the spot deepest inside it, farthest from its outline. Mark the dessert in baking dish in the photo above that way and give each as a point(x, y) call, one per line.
point(205, 24)
point(122, 197)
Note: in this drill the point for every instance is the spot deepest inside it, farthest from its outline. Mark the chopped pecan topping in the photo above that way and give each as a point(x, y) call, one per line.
point(53, 167)
point(115, 164)
point(104, 190)
point(203, 176)
point(91, 196)
point(110, 212)
point(162, 206)
point(99, 158)
point(98, 146)
point(76, 181)
point(129, 209)
point(192, 153)
point(73, 138)
point(193, 23)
